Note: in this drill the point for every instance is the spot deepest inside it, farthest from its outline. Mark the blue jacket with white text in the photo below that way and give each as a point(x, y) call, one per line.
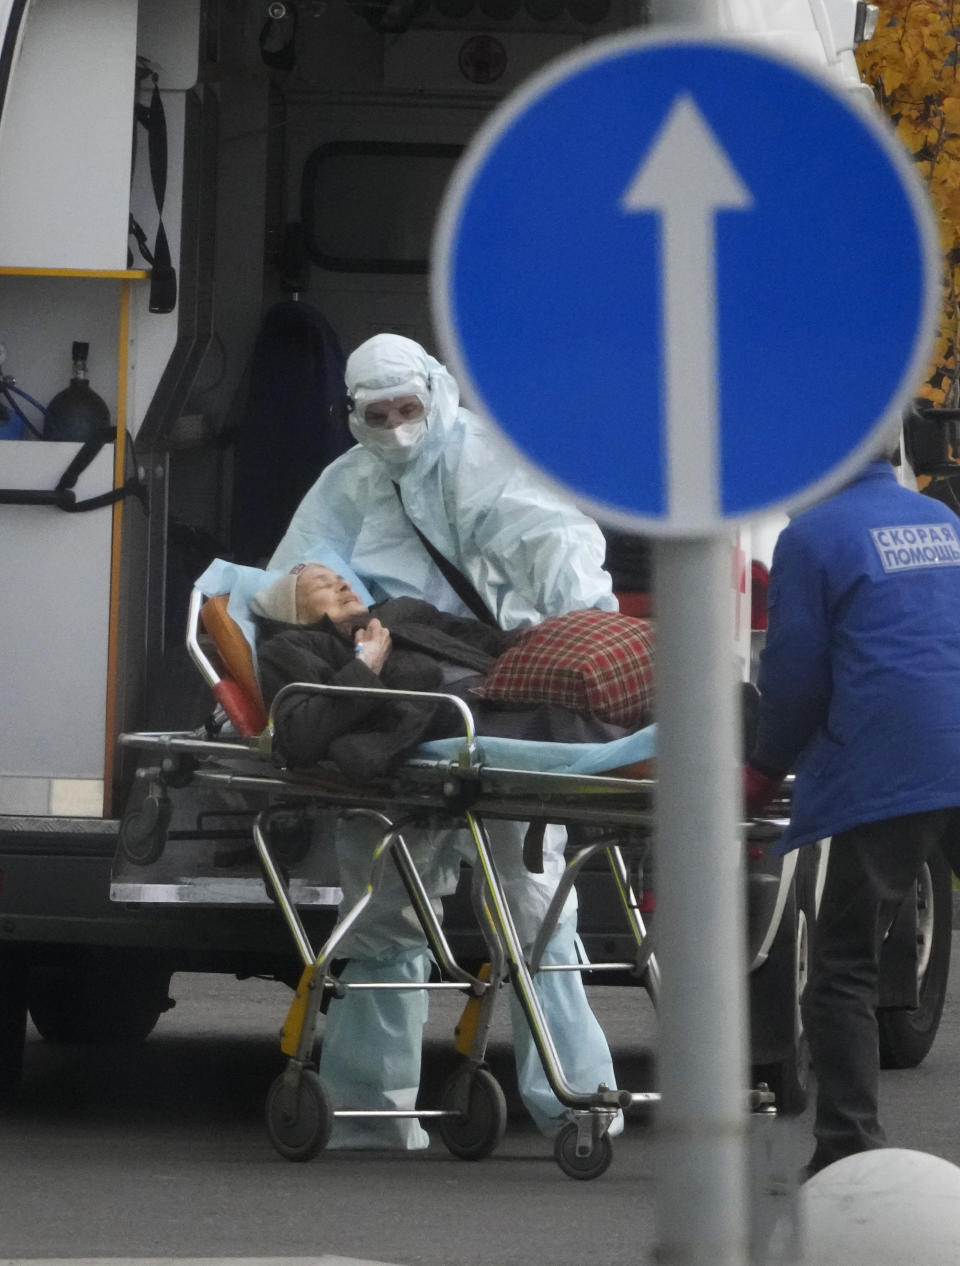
point(860, 676)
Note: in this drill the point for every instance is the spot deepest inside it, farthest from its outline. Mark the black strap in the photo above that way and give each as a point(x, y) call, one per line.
point(63, 496)
point(163, 278)
point(457, 581)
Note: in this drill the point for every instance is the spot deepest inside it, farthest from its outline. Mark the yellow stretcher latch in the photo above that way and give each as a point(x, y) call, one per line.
point(293, 1024)
point(466, 1030)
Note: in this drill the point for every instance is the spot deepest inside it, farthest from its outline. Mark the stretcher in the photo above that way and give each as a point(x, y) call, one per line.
point(602, 793)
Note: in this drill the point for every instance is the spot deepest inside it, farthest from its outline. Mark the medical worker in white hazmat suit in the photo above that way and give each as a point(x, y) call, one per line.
point(423, 460)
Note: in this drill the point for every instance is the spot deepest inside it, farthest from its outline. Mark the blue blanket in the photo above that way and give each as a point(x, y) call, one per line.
point(553, 758)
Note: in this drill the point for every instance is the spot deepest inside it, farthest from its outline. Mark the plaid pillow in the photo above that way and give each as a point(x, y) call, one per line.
point(593, 661)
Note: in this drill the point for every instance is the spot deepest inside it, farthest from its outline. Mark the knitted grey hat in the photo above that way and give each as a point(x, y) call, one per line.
point(278, 601)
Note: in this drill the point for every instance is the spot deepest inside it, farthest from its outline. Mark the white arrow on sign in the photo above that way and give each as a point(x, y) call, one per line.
point(687, 178)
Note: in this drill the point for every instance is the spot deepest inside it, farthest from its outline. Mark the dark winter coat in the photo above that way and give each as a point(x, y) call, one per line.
point(367, 736)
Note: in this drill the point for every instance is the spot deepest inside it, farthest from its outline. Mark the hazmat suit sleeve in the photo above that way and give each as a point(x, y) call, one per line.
point(795, 675)
point(534, 550)
point(325, 516)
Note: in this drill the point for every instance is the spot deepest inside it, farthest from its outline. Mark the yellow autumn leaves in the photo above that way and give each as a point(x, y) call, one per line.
point(911, 64)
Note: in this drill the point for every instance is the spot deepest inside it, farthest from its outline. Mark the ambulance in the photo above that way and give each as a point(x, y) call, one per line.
point(184, 184)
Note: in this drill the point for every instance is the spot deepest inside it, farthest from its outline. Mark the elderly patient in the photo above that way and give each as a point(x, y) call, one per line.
point(314, 628)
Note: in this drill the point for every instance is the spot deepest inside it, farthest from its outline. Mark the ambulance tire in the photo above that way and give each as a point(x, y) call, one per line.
point(788, 965)
point(13, 1020)
point(906, 1036)
point(98, 1001)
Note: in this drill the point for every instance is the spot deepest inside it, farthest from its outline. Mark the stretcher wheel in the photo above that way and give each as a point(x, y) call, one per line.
point(143, 833)
point(595, 1163)
point(473, 1134)
point(299, 1120)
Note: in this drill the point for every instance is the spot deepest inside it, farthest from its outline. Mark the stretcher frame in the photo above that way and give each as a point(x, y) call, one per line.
point(452, 793)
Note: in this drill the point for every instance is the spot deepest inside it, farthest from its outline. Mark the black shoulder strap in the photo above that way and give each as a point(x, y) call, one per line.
point(163, 278)
point(457, 581)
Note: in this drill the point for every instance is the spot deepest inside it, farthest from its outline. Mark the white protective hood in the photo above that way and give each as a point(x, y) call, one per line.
point(390, 360)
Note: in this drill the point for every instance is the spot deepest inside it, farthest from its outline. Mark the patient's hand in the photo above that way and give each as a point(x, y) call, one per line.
point(372, 645)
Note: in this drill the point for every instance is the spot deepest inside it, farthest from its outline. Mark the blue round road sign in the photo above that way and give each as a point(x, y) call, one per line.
point(691, 281)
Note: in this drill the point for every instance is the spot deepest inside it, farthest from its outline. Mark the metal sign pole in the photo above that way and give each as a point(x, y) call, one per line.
point(702, 1216)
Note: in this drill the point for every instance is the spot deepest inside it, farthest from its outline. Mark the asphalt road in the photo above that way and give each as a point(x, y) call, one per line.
point(160, 1151)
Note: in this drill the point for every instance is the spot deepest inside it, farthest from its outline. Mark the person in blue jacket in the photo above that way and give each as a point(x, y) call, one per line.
point(860, 697)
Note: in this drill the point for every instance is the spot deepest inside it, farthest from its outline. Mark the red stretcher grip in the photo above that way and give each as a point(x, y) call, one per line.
point(247, 716)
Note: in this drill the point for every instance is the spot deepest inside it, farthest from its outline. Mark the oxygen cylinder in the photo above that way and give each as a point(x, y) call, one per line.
point(76, 413)
point(11, 427)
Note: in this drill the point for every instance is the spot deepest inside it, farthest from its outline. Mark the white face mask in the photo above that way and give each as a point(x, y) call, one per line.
point(394, 444)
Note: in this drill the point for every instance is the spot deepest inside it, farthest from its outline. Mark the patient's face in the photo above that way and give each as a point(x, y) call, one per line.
point(321, 592)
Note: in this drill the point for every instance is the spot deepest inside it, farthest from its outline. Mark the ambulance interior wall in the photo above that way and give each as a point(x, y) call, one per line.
point(353, 83)
point(55, 567)
point(65, 144)
point(65, 153)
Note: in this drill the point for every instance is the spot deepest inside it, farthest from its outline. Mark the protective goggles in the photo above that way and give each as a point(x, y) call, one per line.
point(382, 407)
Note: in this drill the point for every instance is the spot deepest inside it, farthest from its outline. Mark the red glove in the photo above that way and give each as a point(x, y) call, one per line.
point(758, 790)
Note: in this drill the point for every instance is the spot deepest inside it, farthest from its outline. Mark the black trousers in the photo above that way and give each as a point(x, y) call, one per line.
point(870, 871)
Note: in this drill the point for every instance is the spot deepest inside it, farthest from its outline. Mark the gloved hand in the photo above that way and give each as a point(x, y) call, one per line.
point(758, 790)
